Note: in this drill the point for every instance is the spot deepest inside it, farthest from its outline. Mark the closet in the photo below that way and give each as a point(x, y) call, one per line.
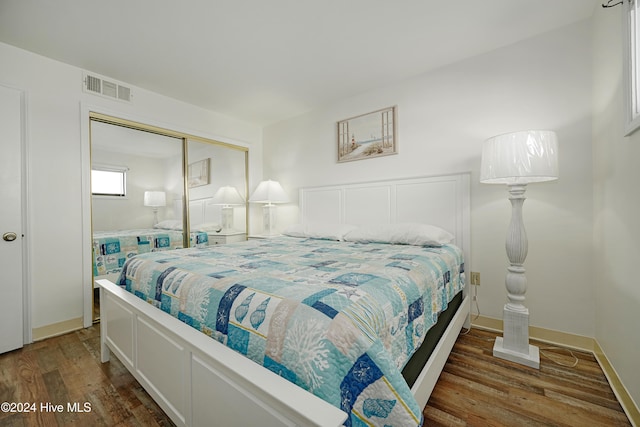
point(157, 189)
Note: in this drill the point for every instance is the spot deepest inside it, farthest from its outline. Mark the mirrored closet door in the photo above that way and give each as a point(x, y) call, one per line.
point(155, 189)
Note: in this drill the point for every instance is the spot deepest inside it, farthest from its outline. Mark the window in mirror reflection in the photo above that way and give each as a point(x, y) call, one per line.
point(109, 181)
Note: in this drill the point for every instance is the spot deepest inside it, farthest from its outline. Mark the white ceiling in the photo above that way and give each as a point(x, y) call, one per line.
point(267, 60)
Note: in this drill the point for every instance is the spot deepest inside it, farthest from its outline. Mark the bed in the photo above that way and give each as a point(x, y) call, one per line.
point(112, 248)
point(199, 381)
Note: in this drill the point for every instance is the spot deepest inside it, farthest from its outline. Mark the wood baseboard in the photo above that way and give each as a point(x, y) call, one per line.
point(56, 329)
point(580, 343)
point(630, 407)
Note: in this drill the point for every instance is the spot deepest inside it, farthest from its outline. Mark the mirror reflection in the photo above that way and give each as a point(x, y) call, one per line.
point(149, 187)
point(150, 168)
point(216, 178)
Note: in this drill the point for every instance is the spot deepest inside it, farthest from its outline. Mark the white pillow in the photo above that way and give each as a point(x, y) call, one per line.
point(169, 224)
point(405, 234)
point(319, 231)
point(295, 230)
point(207, 226)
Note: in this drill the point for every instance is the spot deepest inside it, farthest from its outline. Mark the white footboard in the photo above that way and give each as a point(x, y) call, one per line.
point(196, 380)
point(199, 382)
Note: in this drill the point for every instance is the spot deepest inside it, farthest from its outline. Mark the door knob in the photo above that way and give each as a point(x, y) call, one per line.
point(10, 236)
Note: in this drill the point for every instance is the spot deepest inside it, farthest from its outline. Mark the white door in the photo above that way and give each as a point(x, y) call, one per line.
point(11, 278)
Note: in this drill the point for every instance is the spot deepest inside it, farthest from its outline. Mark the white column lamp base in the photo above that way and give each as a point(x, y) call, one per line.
point(531, 359)
point(226, 215)
point(269, 218)
point(514, 344)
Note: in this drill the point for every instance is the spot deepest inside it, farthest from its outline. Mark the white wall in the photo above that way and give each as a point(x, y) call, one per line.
point(617, 203)
point(55, 109)
point(443, 118)
point(129, 212)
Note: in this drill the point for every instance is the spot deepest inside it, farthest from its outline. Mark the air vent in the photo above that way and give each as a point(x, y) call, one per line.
point(93, 84)
point(107, 88)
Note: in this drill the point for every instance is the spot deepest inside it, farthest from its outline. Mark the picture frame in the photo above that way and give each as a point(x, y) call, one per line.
point(368, 135)
point(198, 173)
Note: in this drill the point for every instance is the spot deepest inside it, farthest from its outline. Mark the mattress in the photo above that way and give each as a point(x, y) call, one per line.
point(112, 248)
point(338, 319)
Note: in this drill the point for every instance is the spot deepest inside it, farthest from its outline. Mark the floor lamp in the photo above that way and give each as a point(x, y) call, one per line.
point(269, 192)
point(517, 159)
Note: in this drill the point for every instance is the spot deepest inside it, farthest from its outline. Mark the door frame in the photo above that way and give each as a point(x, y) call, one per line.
point(27, 333)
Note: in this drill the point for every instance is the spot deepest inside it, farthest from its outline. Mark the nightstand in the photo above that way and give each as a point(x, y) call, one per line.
point(222, 238)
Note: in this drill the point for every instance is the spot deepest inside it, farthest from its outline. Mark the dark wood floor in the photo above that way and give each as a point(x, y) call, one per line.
point(475, 389)
point(67, 370)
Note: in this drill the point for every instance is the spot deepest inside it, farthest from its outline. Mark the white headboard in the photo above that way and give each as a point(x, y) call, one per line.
point(203, 211)
point(438, 200)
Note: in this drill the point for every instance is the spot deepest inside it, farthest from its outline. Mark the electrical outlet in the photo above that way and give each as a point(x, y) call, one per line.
point(475, 278)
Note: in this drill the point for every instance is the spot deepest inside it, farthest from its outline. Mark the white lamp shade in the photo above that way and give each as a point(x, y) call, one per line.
point(155, 198)
point(227, 195)
point(520, 158)
point(269, 192)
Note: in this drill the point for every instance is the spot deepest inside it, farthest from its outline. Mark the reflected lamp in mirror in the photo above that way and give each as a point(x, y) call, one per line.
point(227, 197)
point(155, 199)
point(517, 159)
point(269, 192)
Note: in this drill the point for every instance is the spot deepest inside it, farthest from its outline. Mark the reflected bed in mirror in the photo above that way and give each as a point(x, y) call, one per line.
point(150, 161)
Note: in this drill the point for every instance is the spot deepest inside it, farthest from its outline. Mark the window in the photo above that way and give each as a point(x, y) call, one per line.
point(631, 68)
point(108, 181)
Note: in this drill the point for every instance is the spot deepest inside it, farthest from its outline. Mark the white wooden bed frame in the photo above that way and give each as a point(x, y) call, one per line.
point(198, 382)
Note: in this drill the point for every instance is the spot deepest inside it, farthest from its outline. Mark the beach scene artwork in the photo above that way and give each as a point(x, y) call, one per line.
point(198, 173)
point(367, 136)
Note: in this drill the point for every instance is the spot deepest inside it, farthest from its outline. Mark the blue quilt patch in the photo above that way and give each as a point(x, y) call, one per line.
point(399, 264)
point(111, 248)
point(222, 319)
point(186, 319)
point(163, 242)
point(326, 309)
point(165, 303)
point(238, 339)
point(352, 279)
point(159, 281)
point(311, 299)
point(263, 264)
point(403, 256)
point(363, 372)
point(280, 369)
point(221, 274)
point(416, 309)
point(380, 408)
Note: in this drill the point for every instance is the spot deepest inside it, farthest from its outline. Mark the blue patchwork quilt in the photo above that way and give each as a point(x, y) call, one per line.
point(336, 318)
point(112, 248)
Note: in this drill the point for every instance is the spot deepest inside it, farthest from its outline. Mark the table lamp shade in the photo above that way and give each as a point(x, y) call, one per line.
point(155, 198)
point(520, 158)
point(227, 195)
point(269, 192)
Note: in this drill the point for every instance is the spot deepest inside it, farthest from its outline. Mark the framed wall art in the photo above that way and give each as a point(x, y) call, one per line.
point(368, 135)
point(198, 173)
